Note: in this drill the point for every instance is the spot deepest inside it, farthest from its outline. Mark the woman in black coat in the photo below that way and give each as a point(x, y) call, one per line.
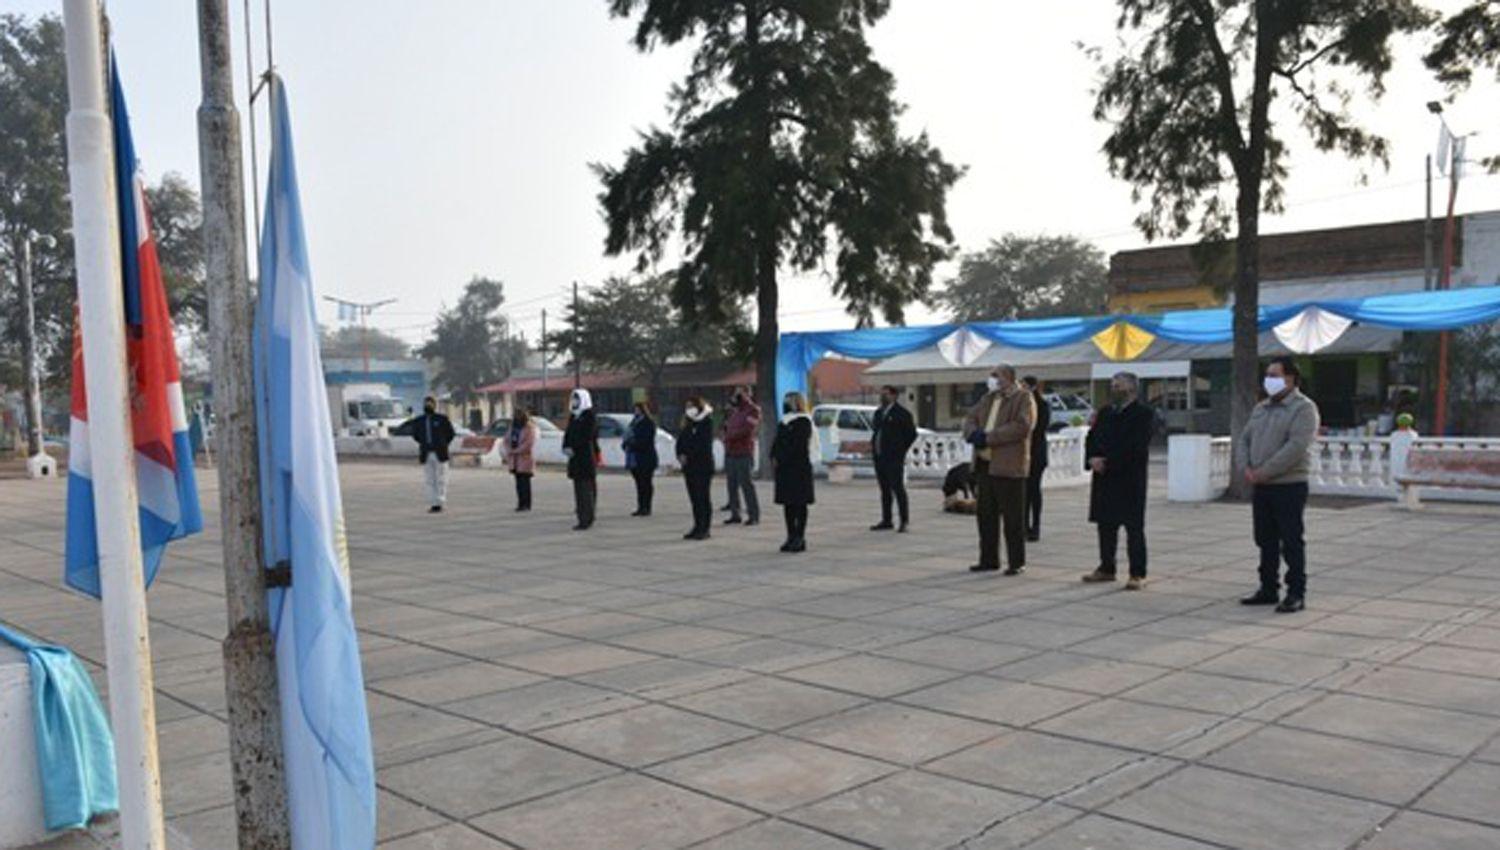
point(695, 451)
point(581, 445)
point(792, 454)
point(641, 458)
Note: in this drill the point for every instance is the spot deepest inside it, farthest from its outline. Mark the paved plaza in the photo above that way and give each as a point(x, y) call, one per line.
point(533, 687)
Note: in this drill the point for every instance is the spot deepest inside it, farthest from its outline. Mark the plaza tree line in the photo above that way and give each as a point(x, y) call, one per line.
point(784, 156)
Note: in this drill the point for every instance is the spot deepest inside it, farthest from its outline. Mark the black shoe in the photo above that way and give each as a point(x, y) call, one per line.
point(798, 545)
point(1015, 571)
point(435, 509)
point(734, 520)
point(691, 535)
point(1261, 597)
point(636, 512)
point(1033, 536)
point(1290, 605)
point(755, 520)
point(883, 525)
point(982, 568)
point(787, 546)
point(724, 510)
point(582, 527)
point(902, 529)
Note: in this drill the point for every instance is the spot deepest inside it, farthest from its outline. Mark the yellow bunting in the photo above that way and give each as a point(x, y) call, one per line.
point(1123, 341)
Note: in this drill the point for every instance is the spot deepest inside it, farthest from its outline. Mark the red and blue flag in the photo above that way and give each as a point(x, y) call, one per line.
point(165, 483)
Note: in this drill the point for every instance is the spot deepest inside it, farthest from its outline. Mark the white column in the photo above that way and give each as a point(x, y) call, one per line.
point(1190, 468)
point(96, 229)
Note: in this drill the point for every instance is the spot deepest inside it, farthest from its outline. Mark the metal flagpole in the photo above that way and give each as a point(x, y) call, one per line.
point(96, 243)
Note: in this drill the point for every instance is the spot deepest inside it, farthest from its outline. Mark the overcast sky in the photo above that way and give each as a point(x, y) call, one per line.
point(451, 138)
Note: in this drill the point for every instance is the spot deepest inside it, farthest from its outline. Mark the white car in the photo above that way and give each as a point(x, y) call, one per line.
point(549, 439)
point(1065, 406)
point(612, 430)
point(846, 423)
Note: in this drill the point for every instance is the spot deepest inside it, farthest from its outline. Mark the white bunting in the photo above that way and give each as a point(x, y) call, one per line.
point(1311, 330)
point(962, 347)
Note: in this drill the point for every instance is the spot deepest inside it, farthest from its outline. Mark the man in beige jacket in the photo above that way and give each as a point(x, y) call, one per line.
point(999, 428)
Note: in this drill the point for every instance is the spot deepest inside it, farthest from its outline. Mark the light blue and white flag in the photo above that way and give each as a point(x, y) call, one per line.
point(325, 730)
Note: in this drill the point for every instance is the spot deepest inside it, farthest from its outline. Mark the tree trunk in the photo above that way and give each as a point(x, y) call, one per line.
point(767, 339)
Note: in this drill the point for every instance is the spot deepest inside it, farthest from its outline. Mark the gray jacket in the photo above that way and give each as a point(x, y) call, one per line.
point(1277, 441)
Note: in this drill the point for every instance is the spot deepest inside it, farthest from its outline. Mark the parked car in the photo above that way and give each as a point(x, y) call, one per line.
point(1065, 406)
point(549, 438)
point(612, 430)
point(840, 424)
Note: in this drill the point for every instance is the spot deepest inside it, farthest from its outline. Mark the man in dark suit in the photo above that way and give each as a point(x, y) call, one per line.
point(1038, 459)
point(892, 434)
point(1118, 451)
point(433, 432)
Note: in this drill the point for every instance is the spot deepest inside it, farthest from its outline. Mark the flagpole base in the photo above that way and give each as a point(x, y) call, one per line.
point(41, 465)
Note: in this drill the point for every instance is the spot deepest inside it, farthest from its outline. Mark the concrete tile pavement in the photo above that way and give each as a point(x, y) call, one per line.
point(532, 687)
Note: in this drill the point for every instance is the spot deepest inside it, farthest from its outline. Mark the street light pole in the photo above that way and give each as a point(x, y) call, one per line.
point(1427, 232)
point(38, 464)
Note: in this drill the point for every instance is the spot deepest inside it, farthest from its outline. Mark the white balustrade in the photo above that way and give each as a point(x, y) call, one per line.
point(934, 454)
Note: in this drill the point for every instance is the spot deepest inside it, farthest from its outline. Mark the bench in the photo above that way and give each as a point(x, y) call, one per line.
point(1467, 469)
point(475, 446)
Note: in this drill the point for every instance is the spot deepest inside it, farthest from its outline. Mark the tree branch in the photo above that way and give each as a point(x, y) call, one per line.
point(1203, 11)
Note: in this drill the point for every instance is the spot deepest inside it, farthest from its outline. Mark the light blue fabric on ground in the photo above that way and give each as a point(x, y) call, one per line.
point(74, 748)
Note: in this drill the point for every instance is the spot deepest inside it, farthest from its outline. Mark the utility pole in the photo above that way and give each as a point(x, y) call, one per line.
point(577, 358)
point(256, 758)
point(1427, 232)
point(1445, 280)
point(363, 311)
point(38, 464)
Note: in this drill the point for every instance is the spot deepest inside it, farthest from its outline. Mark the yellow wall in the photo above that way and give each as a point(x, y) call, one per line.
point(1162, 300)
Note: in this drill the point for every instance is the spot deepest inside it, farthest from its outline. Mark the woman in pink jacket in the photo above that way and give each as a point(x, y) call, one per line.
point(520, 442)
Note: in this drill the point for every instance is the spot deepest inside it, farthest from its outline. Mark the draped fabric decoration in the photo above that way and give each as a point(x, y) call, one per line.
point(1314, 329)
point(1123, 341)
point(963, 346)
point(1308, 323)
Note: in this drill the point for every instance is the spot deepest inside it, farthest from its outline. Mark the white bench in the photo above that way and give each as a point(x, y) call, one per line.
point(1466, 469)
point(21, 821)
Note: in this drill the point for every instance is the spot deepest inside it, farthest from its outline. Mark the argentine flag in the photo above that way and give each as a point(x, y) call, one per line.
point(325, 731)
point(165, 482)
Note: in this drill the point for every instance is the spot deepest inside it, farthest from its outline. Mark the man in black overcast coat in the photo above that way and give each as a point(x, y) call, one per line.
point(1118, 451)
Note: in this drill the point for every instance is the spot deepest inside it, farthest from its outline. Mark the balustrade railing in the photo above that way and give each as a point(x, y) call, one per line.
point(934, 454)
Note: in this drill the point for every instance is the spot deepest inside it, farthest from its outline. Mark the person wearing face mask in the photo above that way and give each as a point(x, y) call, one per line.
point(695, 452)
point(519, 448)
point(1275, 448)
point(641, 457)
point(892, 433)
point(1039, 450)
point(792, 454)
point(1118, 453)
point(581, 445)
point(433, 432)
point(738, 433)
point(999, 428)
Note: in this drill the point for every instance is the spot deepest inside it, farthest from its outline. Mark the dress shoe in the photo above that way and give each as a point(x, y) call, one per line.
point(983, 568)
point(1261, 597)
point(882, 526)
point(1099, 575)
point(902, 528)
point(1136, 583)
point(435, 509)
point(787, 546)
point(691, 535)
point(581, 527)
point(798, 545)
point(734, 520)
point(1033, 536)
point(755, 520)
point(1015, 571)
point(1290, 605)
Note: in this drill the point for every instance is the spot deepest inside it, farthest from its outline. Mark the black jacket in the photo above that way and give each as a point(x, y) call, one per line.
point(1122, 436)
point(695, 445)
point(892, 433)
point(794, 471)
point(582, 438)
point(1039, 434)
point(640, 444)
point(433, 432)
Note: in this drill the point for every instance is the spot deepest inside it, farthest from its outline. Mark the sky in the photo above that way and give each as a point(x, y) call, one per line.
point(442, 140)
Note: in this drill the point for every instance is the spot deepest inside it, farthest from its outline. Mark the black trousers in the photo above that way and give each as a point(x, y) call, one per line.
point(585, 497)
point(1034, 500)
point(645, 489)
point(892, 477)
point(1001, 499)
point(796, 521)
point(523, 490)
point(1135, 546)
point(1277, 509)
point(698, 487)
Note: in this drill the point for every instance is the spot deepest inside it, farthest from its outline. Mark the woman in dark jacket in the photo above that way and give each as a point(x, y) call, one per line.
point(581, 445)
point(792, 454)
point(695, 451)
point(641, 458)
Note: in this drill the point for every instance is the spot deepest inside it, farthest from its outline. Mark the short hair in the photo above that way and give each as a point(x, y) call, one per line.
point(1030, 381)
point(1007, 370)
point(694, 401)
point(1130, 378)
point(796, 401)
point(432, 399)
point(1288, 368)
point(890, 389)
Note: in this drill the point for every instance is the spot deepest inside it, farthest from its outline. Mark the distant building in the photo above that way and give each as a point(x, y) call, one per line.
point(407, 377)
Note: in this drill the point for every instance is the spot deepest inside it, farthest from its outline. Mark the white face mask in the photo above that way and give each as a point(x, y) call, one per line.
point(1274, 385)
point(692, 412)
point(992, 382)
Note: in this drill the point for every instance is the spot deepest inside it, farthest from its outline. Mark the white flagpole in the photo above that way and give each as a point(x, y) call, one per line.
point(96, 229)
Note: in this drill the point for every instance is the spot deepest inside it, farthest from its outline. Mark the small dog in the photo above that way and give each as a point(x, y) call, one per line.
point(959, 480)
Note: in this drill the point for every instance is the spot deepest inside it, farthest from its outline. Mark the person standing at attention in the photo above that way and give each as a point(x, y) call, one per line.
point(999, 429)
point(892, 433)
point(1275, 445)
point(792, 454)
point(433, 432)
point(520, 444)
point(695, 452)
point(641, 457)
point(1038, 458)
point(581, 445)
point(738, 433)
point(1118, 452)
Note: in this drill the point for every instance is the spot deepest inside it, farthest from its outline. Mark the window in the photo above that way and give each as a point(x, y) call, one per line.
point(353, 408)
point(823, 417)
point(610, 427)
point(853, 420)
point(965, 397)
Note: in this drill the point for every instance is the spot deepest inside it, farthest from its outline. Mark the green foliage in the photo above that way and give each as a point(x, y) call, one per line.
point(471, 344)
point(1468, 40)
point(634, 326)
point(1021, 276)
point(352, 341)
point(177, 225)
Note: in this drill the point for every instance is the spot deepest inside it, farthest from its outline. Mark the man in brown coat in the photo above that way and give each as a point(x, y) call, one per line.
point(999, 428)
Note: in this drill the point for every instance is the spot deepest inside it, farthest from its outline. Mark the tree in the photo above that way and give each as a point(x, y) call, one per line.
point(783, 148)
point(352, 341)
point(1468, 39)
point(634, 326)
point(34, 190)
point(1191, 112)
point(177, 226)
point(471, 343)
point(1021, 276)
